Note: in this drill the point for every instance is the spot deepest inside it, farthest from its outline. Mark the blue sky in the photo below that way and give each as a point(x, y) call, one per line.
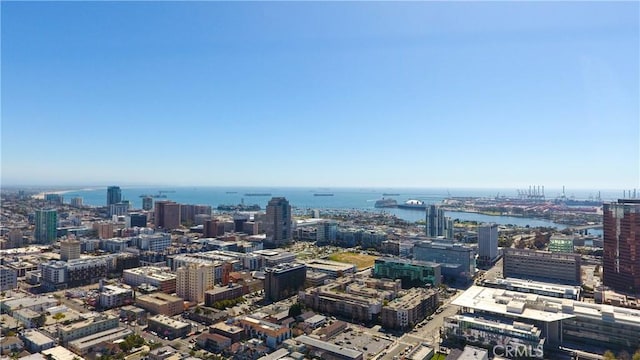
point(409, 94)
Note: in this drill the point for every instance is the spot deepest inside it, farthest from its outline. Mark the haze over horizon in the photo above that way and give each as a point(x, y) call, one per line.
point(386, 95)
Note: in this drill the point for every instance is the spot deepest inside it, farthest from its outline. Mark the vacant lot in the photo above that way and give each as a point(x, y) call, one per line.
point(361, 261)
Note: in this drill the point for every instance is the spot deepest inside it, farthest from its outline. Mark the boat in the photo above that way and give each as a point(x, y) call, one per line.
point(413, 204)
point(322, 194)
point(257, 194)
point(390, 194)
point(386, 203)
point(232, 192)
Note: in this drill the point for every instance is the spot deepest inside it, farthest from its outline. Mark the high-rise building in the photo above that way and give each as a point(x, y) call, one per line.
point(167, 215)
point(283, 281)
point(193, 280)
point(114, 195)
point(136, 220)
point(76, 202)
point(46, 230)
point(621, 257)
point(458, 262)
point(69, 250)
point(487, 243)
point(147, 203)
point(278, 222)
point(104, 230)
point(210, 228)
point(435, 222)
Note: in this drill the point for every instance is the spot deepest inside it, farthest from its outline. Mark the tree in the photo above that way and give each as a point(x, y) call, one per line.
point(58, 316)
point(636, 355)
point(609, 355)
point(295, 310)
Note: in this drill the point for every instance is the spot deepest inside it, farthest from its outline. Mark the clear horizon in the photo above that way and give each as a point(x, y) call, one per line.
point(475, 95)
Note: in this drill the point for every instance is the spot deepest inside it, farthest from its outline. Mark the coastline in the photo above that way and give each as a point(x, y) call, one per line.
point(40, 195)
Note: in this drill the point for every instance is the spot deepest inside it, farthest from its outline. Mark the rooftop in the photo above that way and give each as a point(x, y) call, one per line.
point(167, 321)
point(323, 345)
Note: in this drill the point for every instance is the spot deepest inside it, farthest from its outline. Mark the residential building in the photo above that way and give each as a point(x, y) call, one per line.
point(621, 256)
point(90, 343)
point(193, 280)
point(87, 271)
point(54, 275)
point(278, 222)
point(435, 221)
point(114, 296)
point(10, 344)
point(167, 215)
point(76, 202)
point(283, 281)
point(103, 229)
point(92, 325)
point(8, 278)
point(69, 250)
point(406, 311)
point(119, 209)
point(159, 277)
point(114, 195)
point(161, 303)
point(215, 343)
point(154, 242)
point(231, 291)
point(487, 244)
point(46, 230)
point(165, 326)
point(542, 265)
point(457, 261)
point(147, 203)
point(188, 213)
point(35, 341)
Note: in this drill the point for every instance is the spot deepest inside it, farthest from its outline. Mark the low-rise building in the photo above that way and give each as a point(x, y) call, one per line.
point(326, 350)
point(161, 303)
point(8, 278)
point(272, 334)
point(215, 343)
point(167, 327)
point(92, 325)
point(535, 287)
point(334, 269)
point(10, 344)
point(35, 341)
point(412, 273)
point(37, 304)
point(89, 343)
point(161, 278)
point(113, 296)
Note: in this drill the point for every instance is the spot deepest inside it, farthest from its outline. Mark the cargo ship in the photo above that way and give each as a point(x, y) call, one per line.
point(322, 194)
point(257, 194)
point(386, 203)
point(389, 194)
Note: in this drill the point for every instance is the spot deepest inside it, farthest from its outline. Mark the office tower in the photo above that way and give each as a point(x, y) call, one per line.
point(167, 215)
point(69, 250)
point(147, 203)
point(114, 195)
point(278, 222)
point(458, 261)
point(435, 222)
point(54, 199)
point(542, 266)
point(76, 202)
point(119, 209)
point(560, 243)
point(210, 228)
point(46, 230)
point(136, 220)
point(193, 280)
point(104, 230)
point(239, 220)
point(487, 243)
point(621, 257)
point(283, 281)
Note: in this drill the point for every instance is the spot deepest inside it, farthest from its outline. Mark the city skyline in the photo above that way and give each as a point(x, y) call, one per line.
point(417, 94)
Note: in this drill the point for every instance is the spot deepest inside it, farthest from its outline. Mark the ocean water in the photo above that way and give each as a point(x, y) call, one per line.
point(303, 198)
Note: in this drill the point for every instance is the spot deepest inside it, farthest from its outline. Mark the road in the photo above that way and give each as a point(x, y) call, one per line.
point(429, 333)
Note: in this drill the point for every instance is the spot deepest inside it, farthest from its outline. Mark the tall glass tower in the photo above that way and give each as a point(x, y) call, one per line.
point(114, 195)
point(46, 230)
